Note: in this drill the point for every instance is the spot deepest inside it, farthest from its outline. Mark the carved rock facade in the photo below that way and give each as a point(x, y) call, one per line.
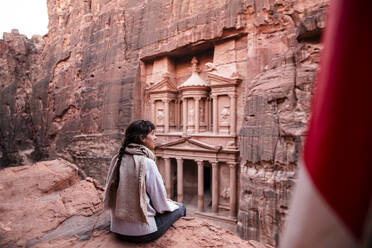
point(237, 117)
point(196, 128)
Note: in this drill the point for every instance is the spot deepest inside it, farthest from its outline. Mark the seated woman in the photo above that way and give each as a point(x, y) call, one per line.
point(135, 193)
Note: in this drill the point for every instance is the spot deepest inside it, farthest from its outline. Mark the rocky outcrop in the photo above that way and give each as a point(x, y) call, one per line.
point(47, 205)
point(37, 199)
point(186, 232)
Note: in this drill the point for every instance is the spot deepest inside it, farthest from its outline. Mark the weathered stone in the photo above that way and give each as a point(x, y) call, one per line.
point(276, 116)
point(19, 58)
point(47, 205)
point(37, 199)
point(186, 232)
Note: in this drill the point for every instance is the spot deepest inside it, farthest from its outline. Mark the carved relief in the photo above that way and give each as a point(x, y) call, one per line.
point(160, 116)
point(191, 113)
point(225, 114)
point(225, 194)
point(172, 117)
point(202, 111)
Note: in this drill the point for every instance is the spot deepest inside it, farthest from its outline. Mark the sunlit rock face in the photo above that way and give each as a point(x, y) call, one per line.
point(72, 93)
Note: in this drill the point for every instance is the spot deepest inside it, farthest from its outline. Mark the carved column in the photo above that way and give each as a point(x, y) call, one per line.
point(233, 114)
point(206, 112)
point(215, 114)
point(178, 114)
point(233, 189)
point(200, 186)
point(180, 180)
point(166, 110)
point(184, 113)
point(168, 177)
point(197, 121)
point(210, 118)
point(153, 111)
point(215, 183)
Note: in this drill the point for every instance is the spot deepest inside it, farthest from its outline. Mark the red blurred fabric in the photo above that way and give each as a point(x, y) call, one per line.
point(338, 149)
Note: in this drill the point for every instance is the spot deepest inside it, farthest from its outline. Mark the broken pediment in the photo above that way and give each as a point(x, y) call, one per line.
point(216, 80)
point(189, 143)
point(165, 85)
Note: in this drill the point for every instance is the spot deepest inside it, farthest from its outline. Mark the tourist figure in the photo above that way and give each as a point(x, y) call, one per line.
point(134, 191)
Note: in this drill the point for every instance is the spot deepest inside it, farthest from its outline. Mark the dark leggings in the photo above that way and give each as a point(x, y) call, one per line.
point(163, 223)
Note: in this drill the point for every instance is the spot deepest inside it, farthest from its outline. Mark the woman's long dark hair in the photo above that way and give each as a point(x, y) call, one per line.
point(135, 133)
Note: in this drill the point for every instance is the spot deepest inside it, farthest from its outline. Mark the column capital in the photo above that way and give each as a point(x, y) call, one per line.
point(197, 98)
point(179, 159)
point(215, 184)
point(231, 95)
point(199, 162)
point(214, 163)
point(233, 164)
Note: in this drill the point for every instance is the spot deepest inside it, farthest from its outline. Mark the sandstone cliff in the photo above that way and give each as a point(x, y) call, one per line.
point(19, 59)
point(72, 93)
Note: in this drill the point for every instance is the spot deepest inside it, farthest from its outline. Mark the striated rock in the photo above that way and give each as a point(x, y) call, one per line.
point(19, 64)
point(34, 200)
point(276, 115)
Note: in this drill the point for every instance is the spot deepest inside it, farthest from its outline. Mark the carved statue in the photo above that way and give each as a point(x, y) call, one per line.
point(225, 193)
point(191, 115)
point(202, 111)
point(171, 113)
point(225, 113)
point(210, 67)
point(160, 116)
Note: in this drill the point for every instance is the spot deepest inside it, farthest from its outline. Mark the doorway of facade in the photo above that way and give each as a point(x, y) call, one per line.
point(174, 179)
point(207, 188)
point(190, 183)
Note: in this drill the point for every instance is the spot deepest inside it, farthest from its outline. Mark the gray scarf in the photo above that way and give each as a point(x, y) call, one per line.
point(127, 198)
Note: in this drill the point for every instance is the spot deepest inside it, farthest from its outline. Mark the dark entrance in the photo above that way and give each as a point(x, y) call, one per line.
point(207, 188)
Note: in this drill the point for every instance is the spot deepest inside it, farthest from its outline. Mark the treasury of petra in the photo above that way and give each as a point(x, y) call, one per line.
point(194, 106)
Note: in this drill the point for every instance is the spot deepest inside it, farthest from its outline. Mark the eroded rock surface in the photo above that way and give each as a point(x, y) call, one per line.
point(276, 113)
point(47, 205)
point(186, 232)
point(34, 200)
point(19, 65)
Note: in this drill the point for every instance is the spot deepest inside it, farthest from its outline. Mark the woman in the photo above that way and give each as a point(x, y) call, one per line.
point(135, 193)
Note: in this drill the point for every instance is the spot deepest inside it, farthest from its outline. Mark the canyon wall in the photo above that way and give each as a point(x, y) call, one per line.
point(72, 93)
point(286, 52)
point(19, 59)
